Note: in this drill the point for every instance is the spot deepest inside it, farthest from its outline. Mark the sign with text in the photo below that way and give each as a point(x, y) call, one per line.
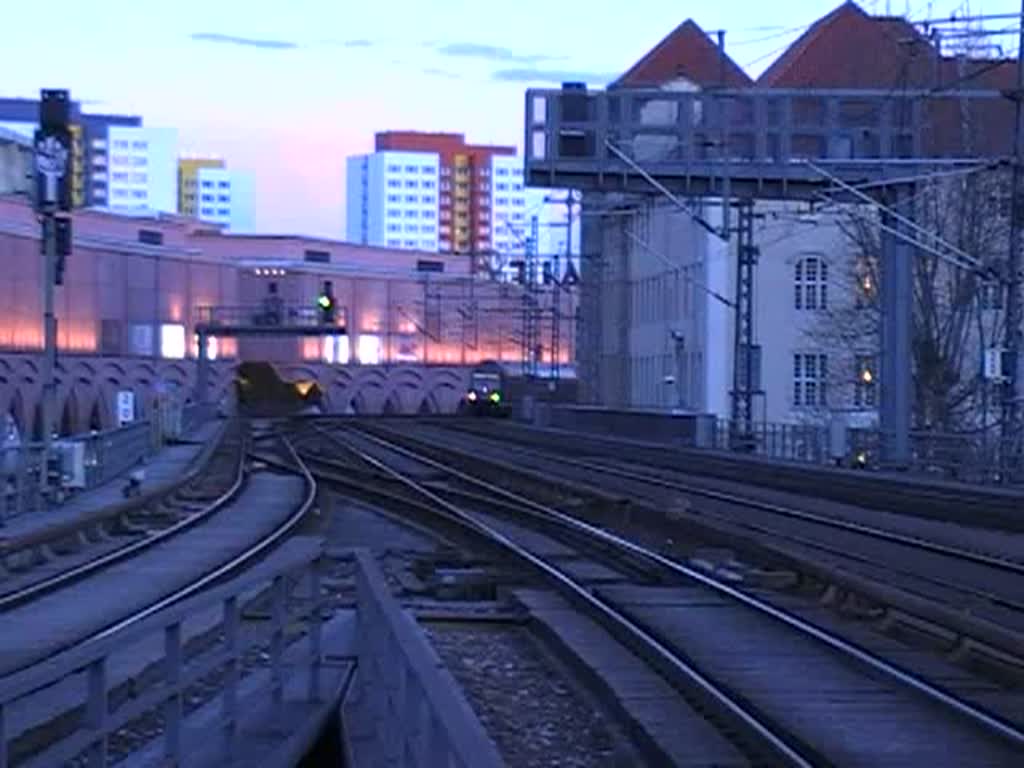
point(125, 407)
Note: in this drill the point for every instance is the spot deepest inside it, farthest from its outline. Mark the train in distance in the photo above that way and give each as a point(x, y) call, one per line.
point(487, 394)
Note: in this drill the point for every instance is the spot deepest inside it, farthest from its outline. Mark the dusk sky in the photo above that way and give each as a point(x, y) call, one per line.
point(287, 90)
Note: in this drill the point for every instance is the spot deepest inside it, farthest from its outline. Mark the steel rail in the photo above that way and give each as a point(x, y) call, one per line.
point(978, 716)
point(775, 743)
point(220, 572)
point(20, 596)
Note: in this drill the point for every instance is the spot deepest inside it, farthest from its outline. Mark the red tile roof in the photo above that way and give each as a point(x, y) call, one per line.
point(848, 48)
point(687, 52)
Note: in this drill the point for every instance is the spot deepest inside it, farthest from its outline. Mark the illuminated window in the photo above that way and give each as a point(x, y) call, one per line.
point(336, 350)
point(172, 341)
point(865, 386)
point(369, 349)
point(211, 347)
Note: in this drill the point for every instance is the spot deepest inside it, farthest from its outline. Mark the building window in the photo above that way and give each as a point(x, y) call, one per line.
point(410, 243)
point(428, 200)
point(394, 169)
point(501, 187)
point(427, 184)
point(446, 200)
point(172, 341)
point(411, 184)
point(412, 228)
point(223, 211)
point(809, 372)
point(410, 169)
point(394, 213)
point(446, 186)
point(501, 201)
point(410, 214)
point(428, 169)
point(865, 386)
point(223, 198)
point(446, 171)
point(411, 199)
point(140, 145)
point(394, 183)
point(207, 198)
point(501, 172)
point(224, 184)
point(427, 229)
point(394, 198)
point(810, 284)
point(394, 227)
point(446, 215)
point(206, 211)
point(207, 184)
point(518, 202)
point(392, 243)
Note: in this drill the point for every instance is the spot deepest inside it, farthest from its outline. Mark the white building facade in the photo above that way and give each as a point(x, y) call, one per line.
point(225, 197)
point(142, 169)
point(392, 200)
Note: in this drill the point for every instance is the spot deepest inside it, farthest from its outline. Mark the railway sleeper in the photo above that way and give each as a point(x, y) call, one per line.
point(987, 660)
point(25, 559)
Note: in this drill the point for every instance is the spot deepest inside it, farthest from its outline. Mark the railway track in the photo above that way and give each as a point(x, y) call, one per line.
point(51, 558)
point(971, 592)
point(830, 677)
point(113, 606)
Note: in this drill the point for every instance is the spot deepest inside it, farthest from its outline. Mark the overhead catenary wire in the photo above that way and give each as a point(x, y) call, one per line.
point(678, 268)
point(962, 259)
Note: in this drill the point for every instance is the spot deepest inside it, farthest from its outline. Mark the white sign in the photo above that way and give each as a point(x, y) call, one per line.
point(125, 407)
point(52, 163)
point(994, 364)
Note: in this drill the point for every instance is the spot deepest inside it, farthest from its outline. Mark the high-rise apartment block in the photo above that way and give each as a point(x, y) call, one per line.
point(209, 191)
point(89, 134)
point(142, 170)
point(435, 192)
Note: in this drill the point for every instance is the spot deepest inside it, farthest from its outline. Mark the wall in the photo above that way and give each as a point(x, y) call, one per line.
point(132, 306)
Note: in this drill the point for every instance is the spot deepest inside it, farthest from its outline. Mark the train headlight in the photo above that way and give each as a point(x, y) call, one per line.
point(471, 397)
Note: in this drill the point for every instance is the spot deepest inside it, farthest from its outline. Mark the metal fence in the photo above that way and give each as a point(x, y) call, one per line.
point(294, 595)
point(980, 457)
point(82, 462)
point(412, 706)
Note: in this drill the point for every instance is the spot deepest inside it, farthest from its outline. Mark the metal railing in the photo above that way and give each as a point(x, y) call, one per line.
point(421, 717)
point(298, 562)
point(976, 457)
point(100, 457)
point(269, 314)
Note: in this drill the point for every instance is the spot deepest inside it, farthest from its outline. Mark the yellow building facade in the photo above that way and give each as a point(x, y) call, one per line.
point(188, 181)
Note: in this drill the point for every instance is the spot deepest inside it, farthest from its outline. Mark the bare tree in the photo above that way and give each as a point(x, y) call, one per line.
point(957, 311)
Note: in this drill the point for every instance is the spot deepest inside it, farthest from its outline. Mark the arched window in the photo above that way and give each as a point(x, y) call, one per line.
point(810, 283)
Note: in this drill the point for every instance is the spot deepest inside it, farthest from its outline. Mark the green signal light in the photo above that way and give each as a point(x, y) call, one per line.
point(325, 302)
point(495, 397)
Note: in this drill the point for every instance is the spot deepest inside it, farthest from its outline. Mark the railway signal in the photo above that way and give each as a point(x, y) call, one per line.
point(326, 304)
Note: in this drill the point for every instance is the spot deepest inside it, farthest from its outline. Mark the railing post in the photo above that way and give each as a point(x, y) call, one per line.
point(278, 618)
point(315, 629)
point(96, 712)
point(229, 703)
point(172, 684)
point(3, 736)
